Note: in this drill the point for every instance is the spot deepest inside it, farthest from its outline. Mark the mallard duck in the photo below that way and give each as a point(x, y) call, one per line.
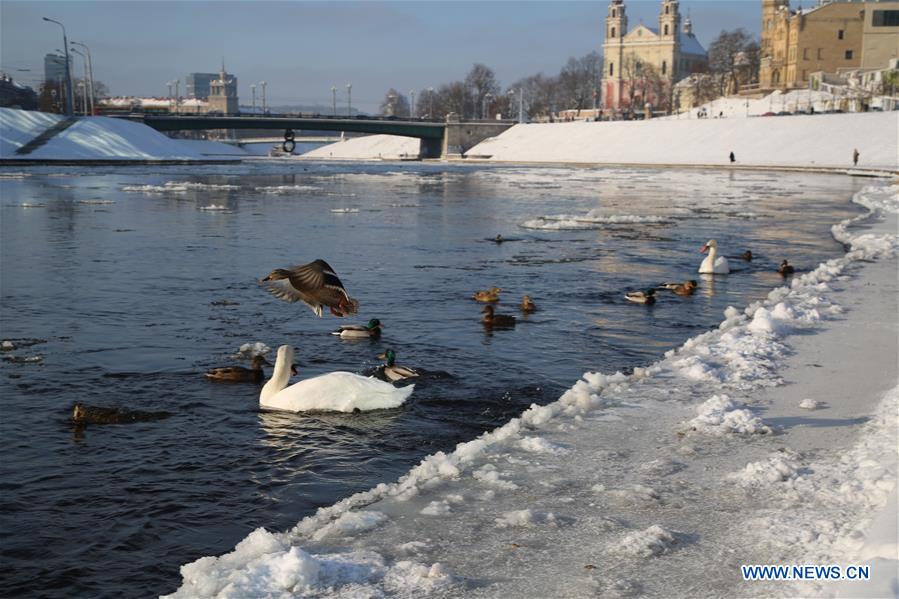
point(685, 288)
point(647, 296)
point(747, 255)
point(315, 284)
point(491, 295)
point(498, 238)
point(356, 331)
point(334, 391)
point(527, 305)
point(82, 415)
point(393, 371)
point(496, 320)
point(713, 263)
point(239, 374)
point(786, 268)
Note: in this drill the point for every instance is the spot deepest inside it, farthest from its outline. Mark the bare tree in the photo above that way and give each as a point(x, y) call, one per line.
point(481, 81)
point(539, 92)
point(578, 79)
point(726, 55)
point(394, 104)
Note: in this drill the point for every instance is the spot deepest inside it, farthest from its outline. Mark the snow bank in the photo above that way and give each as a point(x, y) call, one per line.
point(506, 479)
point(100, 138)
point(796, 141)
point(370, 147)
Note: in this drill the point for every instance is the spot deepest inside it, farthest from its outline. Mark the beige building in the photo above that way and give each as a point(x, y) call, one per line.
point(829, 37)
point(223, 94)
point(640, 65)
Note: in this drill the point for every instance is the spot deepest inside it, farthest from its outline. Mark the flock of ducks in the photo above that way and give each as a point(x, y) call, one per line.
point(318, 286)
point(713, 264)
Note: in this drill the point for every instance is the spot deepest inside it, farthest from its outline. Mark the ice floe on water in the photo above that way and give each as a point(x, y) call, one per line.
point(215, 208)
point(809, 404)
point(96, 202)
point(344, 210)
point(591, 220)
point(361, 545)
point(178, 187)
point(251, 350)
point(285, 189)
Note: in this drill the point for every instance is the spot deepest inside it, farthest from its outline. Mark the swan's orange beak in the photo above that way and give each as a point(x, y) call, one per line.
point(703, 249)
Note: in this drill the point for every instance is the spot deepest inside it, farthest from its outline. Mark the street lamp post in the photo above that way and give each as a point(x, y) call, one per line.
point(65, 44)
point(253, 91)
point(412, 104)
point(83, 85)
point(263, 84)
point(90, 75)
point(334, 100)
point(430, 102)
point(487, 97)
point(349, 99)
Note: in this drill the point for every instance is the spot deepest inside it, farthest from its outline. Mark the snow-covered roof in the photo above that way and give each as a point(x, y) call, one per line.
point(689, 44)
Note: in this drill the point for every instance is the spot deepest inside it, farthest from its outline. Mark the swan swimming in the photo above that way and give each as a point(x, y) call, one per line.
point(713, 263)
point(334, 391)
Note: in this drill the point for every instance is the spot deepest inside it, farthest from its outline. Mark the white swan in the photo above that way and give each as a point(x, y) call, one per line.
point(713, 263)
point(335, 391)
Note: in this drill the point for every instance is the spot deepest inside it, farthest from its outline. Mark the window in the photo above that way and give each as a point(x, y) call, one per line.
point(885, 18)
point(613, 12)
point(666, 26)
point(613, 32)
point(666, 9)
point(840, 34)
point(848, 54)
point(611, 69)
point(820, 53)
point(805, 54)
point(664, 67)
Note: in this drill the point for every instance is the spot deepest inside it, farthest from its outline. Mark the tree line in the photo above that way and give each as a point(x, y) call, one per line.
point(733, 61)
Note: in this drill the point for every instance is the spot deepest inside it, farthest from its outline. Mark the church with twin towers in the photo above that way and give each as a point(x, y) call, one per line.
point(642, 64)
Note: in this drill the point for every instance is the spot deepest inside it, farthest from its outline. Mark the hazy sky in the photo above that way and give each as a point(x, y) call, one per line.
point(303, 48)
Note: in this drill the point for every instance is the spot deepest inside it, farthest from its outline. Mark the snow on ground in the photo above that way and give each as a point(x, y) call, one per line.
point(369, 147)
point(100, 138)
point(797, 100)
point(802, 140)
point(660, 483)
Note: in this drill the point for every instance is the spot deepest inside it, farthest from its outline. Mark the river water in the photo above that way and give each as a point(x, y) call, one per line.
point(137, 280)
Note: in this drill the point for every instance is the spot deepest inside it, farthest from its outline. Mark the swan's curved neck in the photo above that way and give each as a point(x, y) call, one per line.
point(280, 377)
point(713, 253)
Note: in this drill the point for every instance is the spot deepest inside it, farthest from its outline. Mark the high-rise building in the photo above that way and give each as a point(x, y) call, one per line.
point(223, 93)
point(54, 68)
point(197, 84)
point(640, 66)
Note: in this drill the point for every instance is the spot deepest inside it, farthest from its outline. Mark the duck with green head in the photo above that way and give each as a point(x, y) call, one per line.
point(393, 371)
point(357, 331)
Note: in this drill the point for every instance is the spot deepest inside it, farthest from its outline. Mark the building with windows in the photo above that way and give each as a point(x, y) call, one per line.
point(54, 68)
point(197, 84)
point(832, 36)
point(640, 66)
point(223, 93)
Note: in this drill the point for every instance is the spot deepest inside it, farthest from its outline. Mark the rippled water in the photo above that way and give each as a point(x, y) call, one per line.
point(140, 279)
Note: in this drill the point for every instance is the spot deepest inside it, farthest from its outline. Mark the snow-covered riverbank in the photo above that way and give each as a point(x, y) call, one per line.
point(771, 440)
point(100, 139)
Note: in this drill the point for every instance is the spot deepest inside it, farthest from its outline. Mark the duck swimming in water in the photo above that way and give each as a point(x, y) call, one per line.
point(527, 305)
point(393, 371)
point(647, 296)
point(685, 288)
point(747, 255)
point(713, 263)
point(786, 268)
point(83, 415)
point(356, 331)
point(239, 374)
point(334, 391)
point(315, 284)
point(491, 295)
point(496, 320)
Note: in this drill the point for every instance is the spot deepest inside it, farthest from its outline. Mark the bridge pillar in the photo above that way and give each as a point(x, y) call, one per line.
point(459, 137)
point(430, 148)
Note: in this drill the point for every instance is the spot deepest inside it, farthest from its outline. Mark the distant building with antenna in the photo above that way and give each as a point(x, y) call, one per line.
point(223, 93)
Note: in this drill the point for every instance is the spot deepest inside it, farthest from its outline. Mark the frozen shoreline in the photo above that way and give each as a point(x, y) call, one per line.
point(643, 484)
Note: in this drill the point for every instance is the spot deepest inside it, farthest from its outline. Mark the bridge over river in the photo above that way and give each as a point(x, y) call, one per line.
point(439, 139)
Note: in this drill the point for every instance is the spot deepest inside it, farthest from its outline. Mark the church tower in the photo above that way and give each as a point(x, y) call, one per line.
point(613, 54)
point(669, 20)
point(223, 93)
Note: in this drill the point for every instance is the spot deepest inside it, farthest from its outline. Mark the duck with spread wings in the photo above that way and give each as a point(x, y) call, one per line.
point(316, 284)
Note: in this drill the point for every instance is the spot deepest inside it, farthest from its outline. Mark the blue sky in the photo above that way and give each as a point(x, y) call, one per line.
point(301, 49)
